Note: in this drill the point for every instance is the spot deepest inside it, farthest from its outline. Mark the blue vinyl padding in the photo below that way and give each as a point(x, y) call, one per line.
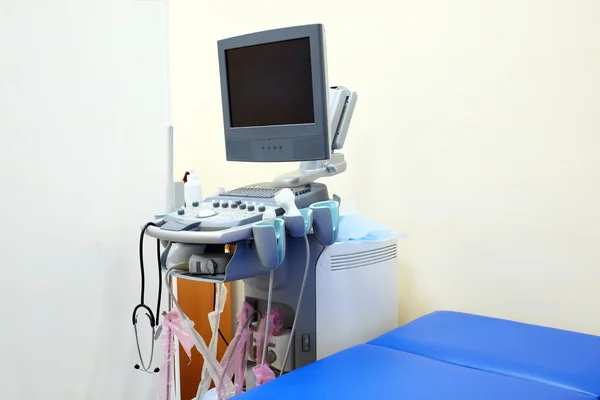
point(374, 373)
point(552, 356)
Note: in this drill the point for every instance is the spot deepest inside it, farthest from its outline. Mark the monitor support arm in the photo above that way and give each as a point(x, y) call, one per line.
point(341, 107)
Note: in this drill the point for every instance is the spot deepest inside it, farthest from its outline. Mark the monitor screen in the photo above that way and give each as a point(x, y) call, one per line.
point(274, 95)
point(270, 84)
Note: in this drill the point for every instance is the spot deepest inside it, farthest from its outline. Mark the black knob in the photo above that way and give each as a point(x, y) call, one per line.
point(238, 202)
point(195, 204)
point(250, 207)
point(242, 206)
point(225, 205)
point(262, 208)
point(216, 204)
point(136, 366)
point(156, 369)
point(181, 211)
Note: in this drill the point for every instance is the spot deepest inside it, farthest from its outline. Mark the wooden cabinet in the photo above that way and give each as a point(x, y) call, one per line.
point(197, 300)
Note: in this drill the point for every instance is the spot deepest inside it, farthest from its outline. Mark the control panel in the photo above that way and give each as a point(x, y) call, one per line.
point(238, 207)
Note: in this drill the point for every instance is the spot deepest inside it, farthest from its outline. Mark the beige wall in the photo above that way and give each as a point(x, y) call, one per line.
point(477, 133)
point(82, 165)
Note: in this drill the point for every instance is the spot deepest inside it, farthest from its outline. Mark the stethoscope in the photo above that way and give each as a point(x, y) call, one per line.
point(152, 317)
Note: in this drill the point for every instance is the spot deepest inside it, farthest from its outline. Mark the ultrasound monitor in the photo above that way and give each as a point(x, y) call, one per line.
point(274, 95)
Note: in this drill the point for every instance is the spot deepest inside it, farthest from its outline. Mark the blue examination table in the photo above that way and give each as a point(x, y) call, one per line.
point(451, 356)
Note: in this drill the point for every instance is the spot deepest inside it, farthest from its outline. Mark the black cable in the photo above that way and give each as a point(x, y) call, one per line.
point(223, 337)
point(159, 281)
point(141, 254)
point(214, 305)
point(156, 316)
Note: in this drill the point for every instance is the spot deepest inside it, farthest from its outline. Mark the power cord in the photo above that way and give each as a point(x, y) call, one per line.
point(268, 316)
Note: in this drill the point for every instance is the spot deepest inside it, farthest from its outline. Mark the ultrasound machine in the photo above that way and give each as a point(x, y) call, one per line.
point(282, 237)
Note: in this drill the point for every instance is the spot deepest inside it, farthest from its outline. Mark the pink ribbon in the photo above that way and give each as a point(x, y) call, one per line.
point(172, 326)
point(234, 360)
point(262, 371)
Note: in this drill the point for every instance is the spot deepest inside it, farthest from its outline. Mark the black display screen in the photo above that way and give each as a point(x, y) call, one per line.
point(270, 84)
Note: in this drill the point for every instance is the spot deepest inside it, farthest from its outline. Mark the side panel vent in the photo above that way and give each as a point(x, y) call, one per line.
point(363, 259)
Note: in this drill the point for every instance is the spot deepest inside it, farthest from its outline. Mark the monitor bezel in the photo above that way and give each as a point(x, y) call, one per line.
point(319, 128)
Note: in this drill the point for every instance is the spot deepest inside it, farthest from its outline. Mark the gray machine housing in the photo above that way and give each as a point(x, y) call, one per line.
point(286, 290)
point(244, 264)
point(279, 143)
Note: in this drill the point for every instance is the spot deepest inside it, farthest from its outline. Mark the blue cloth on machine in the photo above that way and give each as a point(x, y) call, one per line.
point(354, 228)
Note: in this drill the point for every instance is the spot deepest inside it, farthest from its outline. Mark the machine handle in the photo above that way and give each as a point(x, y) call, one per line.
point(224, 236)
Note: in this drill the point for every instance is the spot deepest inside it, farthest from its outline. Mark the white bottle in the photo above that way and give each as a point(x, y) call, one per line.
point(192, 189)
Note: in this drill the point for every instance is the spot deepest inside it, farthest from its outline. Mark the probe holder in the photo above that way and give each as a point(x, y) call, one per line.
point(299, 225)
point(326, 221)
point(269, 239)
